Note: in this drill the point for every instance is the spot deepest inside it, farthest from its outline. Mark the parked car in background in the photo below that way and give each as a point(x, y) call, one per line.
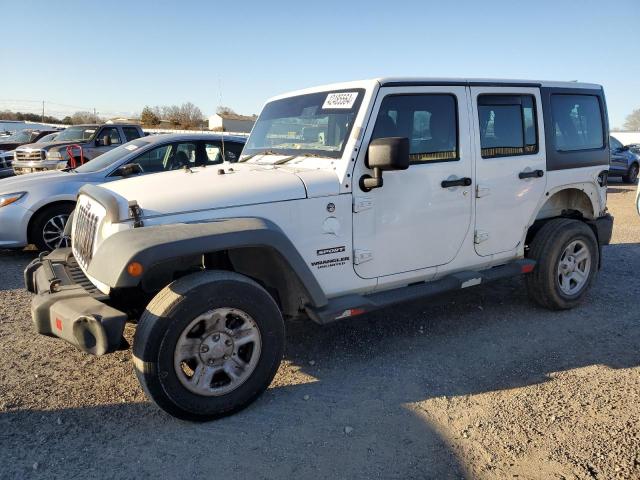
point(89, 141)
point(49, 138)
point(625, 162)
point(22, 137)
point(6, 158)
point(6, 167)
point(34, 208)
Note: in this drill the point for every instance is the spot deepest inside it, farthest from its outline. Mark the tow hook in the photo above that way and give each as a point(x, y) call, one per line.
point(135, 213)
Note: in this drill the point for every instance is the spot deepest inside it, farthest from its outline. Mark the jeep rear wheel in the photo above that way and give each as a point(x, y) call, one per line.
point(567, 255)
point(208, 345)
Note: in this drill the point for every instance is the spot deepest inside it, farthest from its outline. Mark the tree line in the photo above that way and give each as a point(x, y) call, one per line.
point(75, 119)
point(185, 116)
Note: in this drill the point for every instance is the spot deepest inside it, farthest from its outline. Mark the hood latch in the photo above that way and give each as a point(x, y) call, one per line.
point(135, 213)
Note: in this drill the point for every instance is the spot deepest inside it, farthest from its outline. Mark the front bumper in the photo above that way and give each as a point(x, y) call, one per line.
point(30, 166)
point(68, 306)
point(14, 222)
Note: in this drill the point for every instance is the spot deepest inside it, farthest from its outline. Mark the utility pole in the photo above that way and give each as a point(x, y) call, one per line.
point(94, 114)
point(42, 111)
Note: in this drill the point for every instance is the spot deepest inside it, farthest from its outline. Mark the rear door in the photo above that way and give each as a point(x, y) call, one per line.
point(510, 165)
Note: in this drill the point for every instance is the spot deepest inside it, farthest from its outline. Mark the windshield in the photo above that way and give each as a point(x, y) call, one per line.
point(18, 137)
point(315, 124)
point(76, 134)
point(48, 138)
point(112, 156)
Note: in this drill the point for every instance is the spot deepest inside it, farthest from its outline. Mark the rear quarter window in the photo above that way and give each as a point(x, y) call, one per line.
point(577, 122)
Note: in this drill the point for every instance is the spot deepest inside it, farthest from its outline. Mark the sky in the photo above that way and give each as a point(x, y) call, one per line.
point(121, 55)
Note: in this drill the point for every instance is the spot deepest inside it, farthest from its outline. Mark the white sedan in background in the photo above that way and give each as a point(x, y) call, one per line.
point(34, 208)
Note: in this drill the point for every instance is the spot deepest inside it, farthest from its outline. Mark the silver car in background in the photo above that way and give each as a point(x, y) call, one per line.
point(34, 208)
point(6, 158)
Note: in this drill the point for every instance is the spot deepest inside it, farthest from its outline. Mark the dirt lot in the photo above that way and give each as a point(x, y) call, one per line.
point(481, 384)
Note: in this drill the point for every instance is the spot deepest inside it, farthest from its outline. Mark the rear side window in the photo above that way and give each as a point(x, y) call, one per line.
point(130, 133)
point(232, 151)
point(577, 122)
point(508, 125)
point(430, 122)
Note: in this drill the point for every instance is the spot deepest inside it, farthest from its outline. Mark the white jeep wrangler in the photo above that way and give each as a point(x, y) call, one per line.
point(348, 198)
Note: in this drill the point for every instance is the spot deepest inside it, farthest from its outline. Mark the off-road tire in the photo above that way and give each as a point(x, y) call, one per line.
point(546, 248)
point(36, 229)
point(632, 174)
point(167, 316)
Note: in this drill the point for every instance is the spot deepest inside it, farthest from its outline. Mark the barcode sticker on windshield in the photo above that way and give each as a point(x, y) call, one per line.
point(340, 100)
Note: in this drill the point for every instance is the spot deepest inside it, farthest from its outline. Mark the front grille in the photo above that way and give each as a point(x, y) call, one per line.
point(30, 155)
point(84, 234)
point(78, 277)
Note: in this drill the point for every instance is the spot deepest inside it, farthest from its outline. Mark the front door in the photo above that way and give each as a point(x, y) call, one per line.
point(414, 220)
point(618, 156)
point(510, 166)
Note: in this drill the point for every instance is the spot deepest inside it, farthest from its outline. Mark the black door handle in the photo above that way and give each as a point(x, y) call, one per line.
point(459, 182)
point(532, 174)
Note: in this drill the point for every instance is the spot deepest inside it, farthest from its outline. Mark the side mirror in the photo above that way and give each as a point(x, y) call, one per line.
point(128, 170)
point(390, 153)
point(624, 148)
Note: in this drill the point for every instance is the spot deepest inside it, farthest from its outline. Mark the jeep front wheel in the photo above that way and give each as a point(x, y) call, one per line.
point(567, 255)
point(208, 345)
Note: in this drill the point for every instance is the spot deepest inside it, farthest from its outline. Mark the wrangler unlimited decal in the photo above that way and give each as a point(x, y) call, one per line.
point(332, 262)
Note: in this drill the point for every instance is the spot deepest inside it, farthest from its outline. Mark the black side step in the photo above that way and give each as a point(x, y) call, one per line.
point(352, 305)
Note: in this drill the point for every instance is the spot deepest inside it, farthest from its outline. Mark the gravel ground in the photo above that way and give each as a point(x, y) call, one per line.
point(480, 384)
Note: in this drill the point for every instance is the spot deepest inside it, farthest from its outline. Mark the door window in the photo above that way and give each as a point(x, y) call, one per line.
point(155, 160)
point(167, 157)
point(508, 125)
point(577, 122)
point(232, 151)
point(111, 132)
point(429, 122)
point(213, 153)
point(130, 133)
point(616, 146)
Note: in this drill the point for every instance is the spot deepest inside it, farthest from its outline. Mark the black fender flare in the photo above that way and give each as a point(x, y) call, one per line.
point(154, 245)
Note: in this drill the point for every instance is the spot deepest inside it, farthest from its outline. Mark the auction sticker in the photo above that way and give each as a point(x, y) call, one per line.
point(340, 100)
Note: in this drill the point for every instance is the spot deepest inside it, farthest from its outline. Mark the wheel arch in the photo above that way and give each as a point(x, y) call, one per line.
point(41, 209)
point(254, 247)
point(570, 201)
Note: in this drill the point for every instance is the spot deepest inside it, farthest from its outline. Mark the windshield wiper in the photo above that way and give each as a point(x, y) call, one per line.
point(261, 152)
point(285, 160)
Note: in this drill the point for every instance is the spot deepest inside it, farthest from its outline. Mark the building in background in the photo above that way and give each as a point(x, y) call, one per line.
point(231, 122)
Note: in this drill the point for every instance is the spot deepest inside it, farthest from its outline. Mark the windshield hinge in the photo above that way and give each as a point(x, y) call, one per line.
point(360, 204)
point(482, 191)
point(480, 236)
point(135, 213)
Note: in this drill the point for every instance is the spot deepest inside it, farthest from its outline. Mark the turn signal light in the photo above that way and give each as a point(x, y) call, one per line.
point(134, 269)
point(528, 267)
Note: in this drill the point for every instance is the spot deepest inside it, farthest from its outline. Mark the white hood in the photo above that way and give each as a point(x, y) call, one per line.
point(205, 188)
